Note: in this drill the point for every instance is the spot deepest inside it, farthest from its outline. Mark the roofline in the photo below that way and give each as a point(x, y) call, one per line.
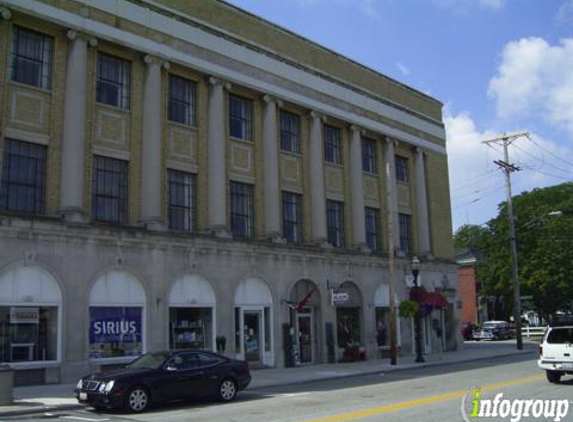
point(288, 31)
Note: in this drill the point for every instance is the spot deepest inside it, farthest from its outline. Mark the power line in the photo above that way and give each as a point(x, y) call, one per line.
point(567, 179)
point(543, 161)
point(470, 181)
point(550, 152)
point(494, 189)
point(482, 189)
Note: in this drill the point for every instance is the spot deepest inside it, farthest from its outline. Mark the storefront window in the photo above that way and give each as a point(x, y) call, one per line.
point(190, 328)
point(28, 333)
point(382, 327)
point(115, 331)
point(348, 325)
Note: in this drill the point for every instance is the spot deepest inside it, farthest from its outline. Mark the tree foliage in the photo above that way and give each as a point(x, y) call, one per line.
point(544, 235)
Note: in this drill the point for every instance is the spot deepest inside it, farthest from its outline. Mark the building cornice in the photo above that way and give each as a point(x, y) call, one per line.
point(130, 11)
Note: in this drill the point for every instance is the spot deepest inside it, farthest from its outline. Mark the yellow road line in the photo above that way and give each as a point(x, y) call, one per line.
point(379, 410)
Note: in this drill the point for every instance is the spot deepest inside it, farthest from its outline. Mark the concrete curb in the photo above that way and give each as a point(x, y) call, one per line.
point(409, 367)
point(406, 367)
point(40, 409)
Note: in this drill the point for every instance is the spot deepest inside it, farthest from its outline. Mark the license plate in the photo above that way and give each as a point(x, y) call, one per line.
point(567, 366)
point(83, 396)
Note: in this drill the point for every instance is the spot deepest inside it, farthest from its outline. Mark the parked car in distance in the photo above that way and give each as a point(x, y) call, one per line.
point(165, 376)
point(493, 330)
point(556, 352)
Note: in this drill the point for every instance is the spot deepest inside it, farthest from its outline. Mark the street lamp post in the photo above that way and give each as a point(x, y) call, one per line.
point(417, 317)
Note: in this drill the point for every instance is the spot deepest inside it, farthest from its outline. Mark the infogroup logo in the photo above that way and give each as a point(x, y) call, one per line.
point(512, 409)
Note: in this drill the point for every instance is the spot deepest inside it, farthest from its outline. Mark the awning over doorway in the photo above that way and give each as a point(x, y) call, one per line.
point(436, 300)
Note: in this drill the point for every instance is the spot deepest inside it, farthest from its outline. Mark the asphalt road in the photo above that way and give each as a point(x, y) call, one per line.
point(430, 394)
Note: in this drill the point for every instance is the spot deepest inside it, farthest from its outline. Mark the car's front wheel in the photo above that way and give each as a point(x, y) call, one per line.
point(553, 376)
point(227, 390)
point(137, 399)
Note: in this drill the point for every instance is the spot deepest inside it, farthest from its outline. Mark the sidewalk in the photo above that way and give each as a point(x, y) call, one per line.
point(49, 398)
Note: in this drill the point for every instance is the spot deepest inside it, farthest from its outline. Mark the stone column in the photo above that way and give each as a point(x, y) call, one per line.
point(317, 194)
point(151, 154)
point(74, 130)
point(390, 162)
point(217, 165)
point(271, 169)
point(357, 188)
point(422, 203)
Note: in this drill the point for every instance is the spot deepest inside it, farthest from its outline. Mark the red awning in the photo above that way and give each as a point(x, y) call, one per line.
point(435, 299)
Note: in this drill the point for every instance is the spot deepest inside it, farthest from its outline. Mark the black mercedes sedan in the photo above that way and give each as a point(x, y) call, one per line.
point(165, 376)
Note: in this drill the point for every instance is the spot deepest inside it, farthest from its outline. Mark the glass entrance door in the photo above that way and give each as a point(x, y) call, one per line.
point(304, 324)
point(252, 335)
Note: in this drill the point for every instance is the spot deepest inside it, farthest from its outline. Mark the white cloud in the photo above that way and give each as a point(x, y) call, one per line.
point(402, 68)
point(492, 4)
point(476, 185)
point(565, 14)
point(462, 7)
point(305, 3)
point(366, 7)
point(535, 79)
point(467, 156)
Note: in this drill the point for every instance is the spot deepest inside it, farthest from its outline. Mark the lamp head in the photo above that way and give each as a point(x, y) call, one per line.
point(415, 265)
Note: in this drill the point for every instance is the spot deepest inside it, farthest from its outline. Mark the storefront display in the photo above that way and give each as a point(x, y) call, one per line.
point(348, 323)
point(190, 328)
point(115, 331)
point(348, 302)
point(28, 333)
point(382, 327)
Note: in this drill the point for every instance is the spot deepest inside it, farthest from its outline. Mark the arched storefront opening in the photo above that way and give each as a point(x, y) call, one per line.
point(117, 306)
point(254, 322)
point(349, 323)
point(30, 316)
point(304, 306)
point(192, 313)
point(382, 310)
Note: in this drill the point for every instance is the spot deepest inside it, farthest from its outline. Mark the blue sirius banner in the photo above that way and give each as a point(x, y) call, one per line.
point(115, 325)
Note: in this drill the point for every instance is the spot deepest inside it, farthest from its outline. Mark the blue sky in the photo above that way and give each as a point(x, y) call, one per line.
point(497, 65)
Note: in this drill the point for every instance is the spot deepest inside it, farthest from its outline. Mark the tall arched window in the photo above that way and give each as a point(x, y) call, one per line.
point(117, 316)
point(30, 315)
point(191, 314)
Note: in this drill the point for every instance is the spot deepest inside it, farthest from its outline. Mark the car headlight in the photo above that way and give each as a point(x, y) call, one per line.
point(80, 384)
point(105, 387)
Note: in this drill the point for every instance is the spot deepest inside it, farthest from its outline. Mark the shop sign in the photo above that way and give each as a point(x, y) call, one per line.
point(340, 298)
point(24, 315)
point(115, 325)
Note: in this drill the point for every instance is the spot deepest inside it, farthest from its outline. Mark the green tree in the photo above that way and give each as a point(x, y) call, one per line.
point(544, 234)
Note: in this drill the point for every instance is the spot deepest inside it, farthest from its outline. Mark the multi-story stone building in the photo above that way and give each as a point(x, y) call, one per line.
point(185, 174)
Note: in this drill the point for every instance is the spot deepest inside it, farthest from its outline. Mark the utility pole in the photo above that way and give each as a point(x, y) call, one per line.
point(508, 168)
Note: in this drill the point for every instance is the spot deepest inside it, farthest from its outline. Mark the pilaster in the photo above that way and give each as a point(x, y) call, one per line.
point(152, 157)
point(271, 169)
point(74, 130)
point(217, 161)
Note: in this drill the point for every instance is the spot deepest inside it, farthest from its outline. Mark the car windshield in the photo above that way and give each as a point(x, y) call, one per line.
point(149, 361)
point(492, 325)
point(560, 335)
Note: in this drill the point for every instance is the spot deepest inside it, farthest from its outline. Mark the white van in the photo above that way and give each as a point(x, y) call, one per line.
point(556, 352)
